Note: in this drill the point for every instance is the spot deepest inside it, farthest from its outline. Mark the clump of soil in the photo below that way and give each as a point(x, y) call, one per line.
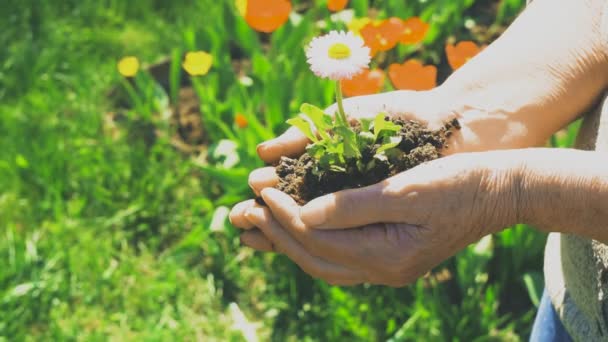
point(418, 145)
point(187, 118)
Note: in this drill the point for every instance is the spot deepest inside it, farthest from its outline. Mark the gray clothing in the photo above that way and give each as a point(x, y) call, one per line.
point(576, 269)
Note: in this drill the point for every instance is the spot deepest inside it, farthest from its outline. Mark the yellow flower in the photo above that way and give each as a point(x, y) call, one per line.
point(128, 66)
point(241, 7)
point(357, 24)
point(198, 63)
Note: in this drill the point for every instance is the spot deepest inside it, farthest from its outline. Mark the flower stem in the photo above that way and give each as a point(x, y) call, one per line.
point(341, 113)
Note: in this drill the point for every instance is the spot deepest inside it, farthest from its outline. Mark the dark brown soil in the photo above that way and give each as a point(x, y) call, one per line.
point(418, 145)
point(187, 118)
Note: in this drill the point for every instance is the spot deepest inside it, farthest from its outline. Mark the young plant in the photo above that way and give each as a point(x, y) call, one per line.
point(336, 143)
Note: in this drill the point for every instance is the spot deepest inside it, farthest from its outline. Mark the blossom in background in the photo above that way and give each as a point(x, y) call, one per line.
point(365, 83)
point(240, 120)
point(267, 15)
point(357, 24)
point(460, 53)
point(413, 75)
point(197, 63)
point(337, 55)
point(414, 31)
point(128, 66)
point(241, 7)
point(336, 5)
point(382, 35)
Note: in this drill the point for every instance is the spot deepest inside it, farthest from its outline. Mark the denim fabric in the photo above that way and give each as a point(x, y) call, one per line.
point(547, 325)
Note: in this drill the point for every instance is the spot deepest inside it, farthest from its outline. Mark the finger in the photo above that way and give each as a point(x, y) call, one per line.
point(286, 211)
point(285, 243)
point(265, 177)
point(405, 104)
point(290, 144)
point(319, 243)
point(332, 245)
point(257, 240)
point(350, 208)
point(237, 215)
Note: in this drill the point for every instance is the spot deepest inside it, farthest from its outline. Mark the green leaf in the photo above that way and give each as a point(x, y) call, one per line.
point(534, 285)
point(366, 138)
point(351, 149)
point(360, 7)
point(332, 161)
point(232, 180)
point(322, 121)
point(303, 126)
point(316, 150)
point(366, 124)
point(380, 124)
point(392, 142)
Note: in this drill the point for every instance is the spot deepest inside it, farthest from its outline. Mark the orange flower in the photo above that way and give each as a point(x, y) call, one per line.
point(412, 75)
point(267, 15)
point(365, 83)
point(459, 54)
point(240, 120)
point(336, 5)
point(382, 35)
point(414, 31)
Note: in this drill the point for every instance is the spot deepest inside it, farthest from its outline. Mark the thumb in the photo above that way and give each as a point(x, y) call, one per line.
point(349, 208)
point(290, 144)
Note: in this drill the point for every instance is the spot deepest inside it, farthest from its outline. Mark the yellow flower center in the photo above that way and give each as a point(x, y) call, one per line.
point(339, 51)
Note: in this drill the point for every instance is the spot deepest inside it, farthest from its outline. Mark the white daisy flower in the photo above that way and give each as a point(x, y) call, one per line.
point(337, 55)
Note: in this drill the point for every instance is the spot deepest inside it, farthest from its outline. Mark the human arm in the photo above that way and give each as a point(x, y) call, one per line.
point(542, 73)
point(431, 212)
point(545, 70)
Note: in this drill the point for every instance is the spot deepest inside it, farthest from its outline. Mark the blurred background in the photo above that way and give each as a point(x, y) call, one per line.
point(127, 130)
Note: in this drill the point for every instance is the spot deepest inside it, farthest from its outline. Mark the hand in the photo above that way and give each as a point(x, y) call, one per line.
point(426, 107)
point(429, 213)
point(480, 131)
point(422, 106)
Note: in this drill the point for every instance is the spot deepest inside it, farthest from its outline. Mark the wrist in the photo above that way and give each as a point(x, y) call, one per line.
point(566, 191)
point(503, 178)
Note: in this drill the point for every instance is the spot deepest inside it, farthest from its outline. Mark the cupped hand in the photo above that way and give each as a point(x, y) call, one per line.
point(392, 238)
point(427, 107)
point(397, 229)
point(423, 106)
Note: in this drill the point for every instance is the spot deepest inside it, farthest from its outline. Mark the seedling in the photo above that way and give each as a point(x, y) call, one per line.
point(336, 143)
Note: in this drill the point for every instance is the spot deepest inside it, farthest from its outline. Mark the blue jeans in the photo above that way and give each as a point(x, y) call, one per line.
point(547, 326)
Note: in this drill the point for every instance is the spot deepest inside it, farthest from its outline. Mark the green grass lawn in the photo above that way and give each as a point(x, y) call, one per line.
point(111, 237)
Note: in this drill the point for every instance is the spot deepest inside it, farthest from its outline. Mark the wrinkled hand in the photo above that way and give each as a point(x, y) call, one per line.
point(426, 107)
point(399, 228)
point(427, 214)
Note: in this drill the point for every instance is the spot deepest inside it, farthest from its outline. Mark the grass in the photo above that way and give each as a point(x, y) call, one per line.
point(108, 237)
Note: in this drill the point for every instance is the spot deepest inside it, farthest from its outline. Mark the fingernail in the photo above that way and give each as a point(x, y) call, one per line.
point(313, 213)
point(254, 214)
point(261, 147)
